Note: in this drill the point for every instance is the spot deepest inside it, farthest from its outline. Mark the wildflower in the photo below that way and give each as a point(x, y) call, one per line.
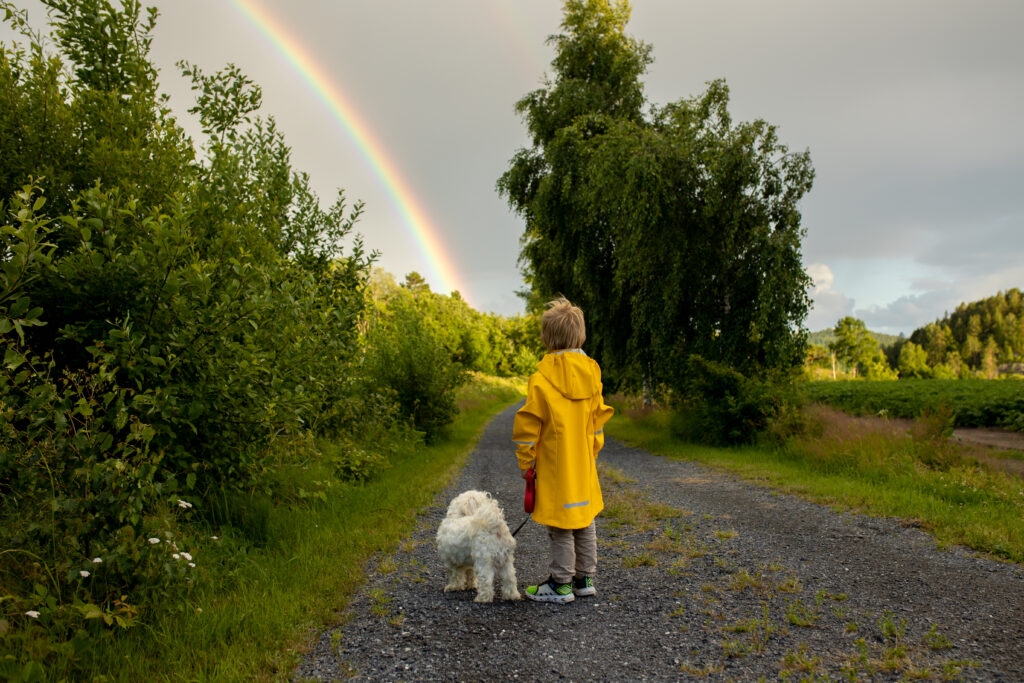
point(186, 556)
point(184, 504)
point(32, 613)
point(97, 560)
point(84, 574)
point(192, 564)
point(176, 556)
point(154, 541)
point(214, 538)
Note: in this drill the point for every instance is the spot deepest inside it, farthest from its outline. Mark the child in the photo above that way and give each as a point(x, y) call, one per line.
point(559, 433)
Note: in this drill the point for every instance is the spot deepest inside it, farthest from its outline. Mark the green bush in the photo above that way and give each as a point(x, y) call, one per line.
point(185, 346)
point(721, 406)
point(406, 358)
point(175, 318)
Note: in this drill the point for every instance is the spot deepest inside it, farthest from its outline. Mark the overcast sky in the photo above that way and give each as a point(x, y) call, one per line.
point(912, 111)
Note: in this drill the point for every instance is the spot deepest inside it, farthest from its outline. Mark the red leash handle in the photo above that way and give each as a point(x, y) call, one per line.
point(531, 489)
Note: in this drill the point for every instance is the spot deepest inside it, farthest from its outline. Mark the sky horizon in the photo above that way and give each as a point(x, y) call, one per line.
point(909, 110)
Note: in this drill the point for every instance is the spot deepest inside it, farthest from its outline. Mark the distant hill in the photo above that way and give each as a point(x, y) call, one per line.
point(823, 337)
point(987, 334)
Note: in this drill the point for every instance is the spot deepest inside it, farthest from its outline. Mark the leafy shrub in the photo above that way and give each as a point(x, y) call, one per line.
point(183, 347)
point(405, 357)
point(722, 406)
point(176, 318)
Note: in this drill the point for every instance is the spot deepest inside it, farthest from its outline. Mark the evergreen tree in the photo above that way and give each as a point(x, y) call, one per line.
point(960, 341)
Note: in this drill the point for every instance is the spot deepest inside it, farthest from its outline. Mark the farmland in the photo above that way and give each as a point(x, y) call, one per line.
point(973, 403)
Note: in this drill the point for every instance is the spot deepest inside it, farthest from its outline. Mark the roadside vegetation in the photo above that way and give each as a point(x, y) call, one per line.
point(199, 360)
point(871, 466)
point(256, 604)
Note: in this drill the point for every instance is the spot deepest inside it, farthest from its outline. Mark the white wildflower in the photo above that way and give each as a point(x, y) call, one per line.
point(186, 556)
point(97, 560)
point(192, 564)
point(214, 538)
point(32, 613)
point(154, 540)
point(184, 504)
point(176, 556)
point(84, 574)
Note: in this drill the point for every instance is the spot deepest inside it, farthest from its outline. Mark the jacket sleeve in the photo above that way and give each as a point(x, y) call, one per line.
point(602, 413)
point(527, 426)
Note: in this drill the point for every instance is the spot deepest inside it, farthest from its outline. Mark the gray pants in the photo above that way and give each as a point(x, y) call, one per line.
point(573, 552)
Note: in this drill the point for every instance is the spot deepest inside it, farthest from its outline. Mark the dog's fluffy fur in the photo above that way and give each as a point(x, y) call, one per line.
point(475, 545)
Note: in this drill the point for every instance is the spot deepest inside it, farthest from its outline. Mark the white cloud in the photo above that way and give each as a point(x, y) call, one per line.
point(828, 305)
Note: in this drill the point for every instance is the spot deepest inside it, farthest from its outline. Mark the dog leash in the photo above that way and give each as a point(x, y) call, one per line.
point(521, 525)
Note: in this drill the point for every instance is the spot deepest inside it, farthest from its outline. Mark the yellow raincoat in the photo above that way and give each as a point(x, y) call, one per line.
point(559, 432)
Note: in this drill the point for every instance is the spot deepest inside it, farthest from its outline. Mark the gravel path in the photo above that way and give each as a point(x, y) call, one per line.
point(700, 575)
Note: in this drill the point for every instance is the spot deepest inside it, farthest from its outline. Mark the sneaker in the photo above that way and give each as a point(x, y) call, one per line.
point(549, 591)
point(583, 585)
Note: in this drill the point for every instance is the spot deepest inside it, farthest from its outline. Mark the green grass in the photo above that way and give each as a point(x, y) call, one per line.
point(974, 402)
point(874, 472)
point(255, 609)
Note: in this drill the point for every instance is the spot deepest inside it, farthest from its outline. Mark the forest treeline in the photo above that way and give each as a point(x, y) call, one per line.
point(180, 318)
point(984, 338)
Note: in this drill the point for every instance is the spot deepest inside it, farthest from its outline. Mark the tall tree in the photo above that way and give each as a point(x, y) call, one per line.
point(913, 361)
point(856, 347)
point(675, 229)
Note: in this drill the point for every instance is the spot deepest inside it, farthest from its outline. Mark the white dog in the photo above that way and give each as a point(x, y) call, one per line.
point(474, 543)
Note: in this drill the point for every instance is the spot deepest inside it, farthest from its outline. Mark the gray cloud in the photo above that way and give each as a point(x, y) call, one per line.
point(911, 112)
point(908, 312)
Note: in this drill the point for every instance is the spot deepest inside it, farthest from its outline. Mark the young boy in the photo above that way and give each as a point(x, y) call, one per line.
point(559, 433)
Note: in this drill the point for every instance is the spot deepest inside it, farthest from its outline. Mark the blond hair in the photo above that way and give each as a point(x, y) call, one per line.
point(562, 325)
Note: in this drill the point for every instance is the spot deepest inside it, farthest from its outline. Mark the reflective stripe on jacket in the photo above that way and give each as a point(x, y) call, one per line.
point(560, 431)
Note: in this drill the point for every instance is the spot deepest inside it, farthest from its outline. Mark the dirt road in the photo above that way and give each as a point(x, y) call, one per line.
point(700, 575)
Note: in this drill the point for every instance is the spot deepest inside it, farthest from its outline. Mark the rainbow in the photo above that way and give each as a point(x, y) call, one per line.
point(423, 231)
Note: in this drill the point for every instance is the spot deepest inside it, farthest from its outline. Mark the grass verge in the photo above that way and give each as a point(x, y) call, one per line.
point(254, 609)
point(881, 470)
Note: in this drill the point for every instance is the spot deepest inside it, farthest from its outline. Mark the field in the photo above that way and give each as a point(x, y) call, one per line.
point(973, 403)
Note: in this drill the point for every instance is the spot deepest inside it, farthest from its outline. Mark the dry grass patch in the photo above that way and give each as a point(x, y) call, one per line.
point(641, 560)
point(630, 508)
point(790, 585)
point(614, 475)
point(742, 580)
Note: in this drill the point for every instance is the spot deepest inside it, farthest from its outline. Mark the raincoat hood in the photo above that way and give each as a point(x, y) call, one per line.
point(572, 372)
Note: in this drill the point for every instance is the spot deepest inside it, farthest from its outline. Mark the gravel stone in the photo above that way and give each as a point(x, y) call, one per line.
point(741, 583)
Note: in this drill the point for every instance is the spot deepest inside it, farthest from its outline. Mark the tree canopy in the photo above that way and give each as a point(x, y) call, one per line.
point(675, 229)
point(858, 349)
point(981, 336)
